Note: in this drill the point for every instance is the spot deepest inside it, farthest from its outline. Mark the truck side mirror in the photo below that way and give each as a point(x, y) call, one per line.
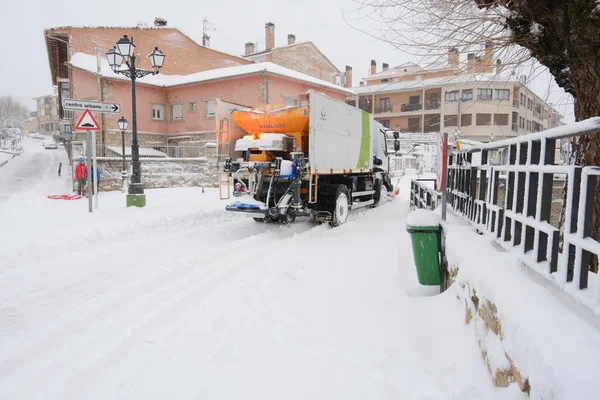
point(396, 141)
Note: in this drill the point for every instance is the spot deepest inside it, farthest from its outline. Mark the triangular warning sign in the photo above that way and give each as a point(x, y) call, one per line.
point(87, 122)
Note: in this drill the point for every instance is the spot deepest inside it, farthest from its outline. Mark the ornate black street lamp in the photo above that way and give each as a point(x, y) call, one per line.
point(122, 122)
point(125, 51)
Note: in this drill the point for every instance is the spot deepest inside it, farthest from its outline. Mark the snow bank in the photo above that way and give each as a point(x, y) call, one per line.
point(553, 342)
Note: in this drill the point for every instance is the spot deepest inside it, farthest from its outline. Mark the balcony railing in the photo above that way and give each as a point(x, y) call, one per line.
point(515, 127)
point(411, 107)
point(386, 109)
point(365, 107)
point(515, 103)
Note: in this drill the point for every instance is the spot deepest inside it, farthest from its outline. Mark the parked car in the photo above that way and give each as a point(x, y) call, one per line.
point(50, 144)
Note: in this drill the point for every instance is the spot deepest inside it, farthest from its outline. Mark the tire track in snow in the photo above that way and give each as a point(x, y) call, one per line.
point(145, 297)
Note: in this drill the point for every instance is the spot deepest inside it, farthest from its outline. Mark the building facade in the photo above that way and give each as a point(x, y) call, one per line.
point(180, 101)
point(481, 102)
point(303, 57)
point(48, 119)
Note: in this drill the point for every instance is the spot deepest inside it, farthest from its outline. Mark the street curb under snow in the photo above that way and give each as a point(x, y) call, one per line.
point(2, 164)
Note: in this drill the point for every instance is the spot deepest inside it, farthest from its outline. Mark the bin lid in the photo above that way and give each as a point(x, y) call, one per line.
point(422, 219)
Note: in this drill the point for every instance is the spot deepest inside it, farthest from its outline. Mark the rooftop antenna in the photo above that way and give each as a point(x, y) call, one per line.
point(205, 29)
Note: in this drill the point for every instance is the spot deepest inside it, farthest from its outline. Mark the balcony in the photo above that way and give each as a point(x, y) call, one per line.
point(515, 127)
point(411, 107)
point(432, 105)
point(515, 103)
point(387, 109)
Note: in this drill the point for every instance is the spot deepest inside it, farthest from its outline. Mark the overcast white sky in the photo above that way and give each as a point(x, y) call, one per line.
point(25, 73)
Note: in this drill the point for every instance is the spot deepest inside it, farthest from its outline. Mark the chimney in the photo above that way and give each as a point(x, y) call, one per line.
point(373, 67)
point(453, 58)
point(498, 66)
point(488, 56)
point(291, 39)
point(385, 66)
point(249, 48)
point(348, 76)
point(160, 21)
point(269, 36)
point(470, 62)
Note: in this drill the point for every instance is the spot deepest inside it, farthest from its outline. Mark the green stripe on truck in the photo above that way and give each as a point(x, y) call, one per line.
point(365, 142)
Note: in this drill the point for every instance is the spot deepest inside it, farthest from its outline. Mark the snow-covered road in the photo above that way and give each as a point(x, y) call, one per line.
point(183, 300)
point(33, 171)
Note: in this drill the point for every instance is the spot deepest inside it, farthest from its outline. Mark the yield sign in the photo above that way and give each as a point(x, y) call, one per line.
point(87, 122)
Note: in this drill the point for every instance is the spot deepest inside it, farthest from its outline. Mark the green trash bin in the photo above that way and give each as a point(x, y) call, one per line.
point(424, 230)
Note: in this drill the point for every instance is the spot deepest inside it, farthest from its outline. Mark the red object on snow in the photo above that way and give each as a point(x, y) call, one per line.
point(73, 196)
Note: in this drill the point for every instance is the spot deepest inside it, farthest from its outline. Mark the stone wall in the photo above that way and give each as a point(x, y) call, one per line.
point(482, 314)
point(161, 173)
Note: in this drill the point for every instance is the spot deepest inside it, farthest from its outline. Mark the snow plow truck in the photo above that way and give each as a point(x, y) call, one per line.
point(320, 159)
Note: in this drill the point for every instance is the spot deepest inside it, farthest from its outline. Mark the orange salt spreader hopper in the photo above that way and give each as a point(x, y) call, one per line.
point(261, 121)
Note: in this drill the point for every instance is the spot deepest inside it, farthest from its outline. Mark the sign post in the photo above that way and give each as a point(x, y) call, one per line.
point(94, 170)
point(88, 123)
point(444, 175)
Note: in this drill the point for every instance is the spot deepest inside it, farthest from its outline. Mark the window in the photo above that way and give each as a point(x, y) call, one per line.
point(528, 125)
point(450, 120)
point(452, 96)
point(193, 106)
point(385, 123)
point(483, 119)
point(290, 102)
point(503, 94)
point(484, 94)
point(466, 119)
point(467, 95)
point(42, 112)
point(522, 99)
point(176, 111)
point(414, 125)
point(521, 122)
point(54, 111)
point(384, 104)
point(529, 104)
point(210, 108)
point(414, 99)
point(384, 80)
point(500, 119)
point(158, 112)
point(47, 101)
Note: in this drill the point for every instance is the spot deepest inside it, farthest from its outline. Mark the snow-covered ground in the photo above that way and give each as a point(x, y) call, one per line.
point(183, 300)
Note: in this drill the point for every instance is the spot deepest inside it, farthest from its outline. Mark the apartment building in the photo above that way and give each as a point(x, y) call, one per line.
point(48, 116)
point(481, 100)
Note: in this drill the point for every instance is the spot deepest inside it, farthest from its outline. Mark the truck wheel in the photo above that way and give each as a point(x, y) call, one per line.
point(381, 193)
point(342, 206)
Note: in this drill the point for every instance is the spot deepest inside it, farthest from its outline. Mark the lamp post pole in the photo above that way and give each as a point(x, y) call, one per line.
point(125, 51)
point(122, 122)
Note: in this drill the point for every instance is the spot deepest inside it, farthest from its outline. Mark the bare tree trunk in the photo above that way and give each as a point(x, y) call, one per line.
point(587, 148)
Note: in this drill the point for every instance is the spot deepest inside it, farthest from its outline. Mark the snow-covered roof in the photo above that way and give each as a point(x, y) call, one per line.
point(88, 62)
point(260, 55)
point(433, 82)
point(431, 67)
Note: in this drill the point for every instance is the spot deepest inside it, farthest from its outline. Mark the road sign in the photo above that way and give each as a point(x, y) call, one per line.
point(96, 106)
point(87, 122)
